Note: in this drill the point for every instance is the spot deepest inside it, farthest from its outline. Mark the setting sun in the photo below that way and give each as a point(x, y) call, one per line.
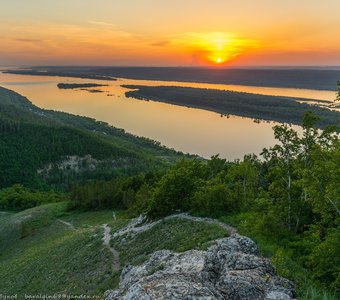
point(215, 47)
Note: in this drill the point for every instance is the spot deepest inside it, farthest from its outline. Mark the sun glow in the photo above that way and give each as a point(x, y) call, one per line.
point(216, 47)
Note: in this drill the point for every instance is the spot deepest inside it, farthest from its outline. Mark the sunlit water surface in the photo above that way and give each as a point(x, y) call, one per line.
point(185, 129)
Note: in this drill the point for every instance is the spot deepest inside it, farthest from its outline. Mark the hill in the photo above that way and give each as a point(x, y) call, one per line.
point(48, 249)
point(40, 147)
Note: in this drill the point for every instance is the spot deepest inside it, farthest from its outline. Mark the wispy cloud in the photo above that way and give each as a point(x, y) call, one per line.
point(100, 23)
point(160, 43)
point(24, 40)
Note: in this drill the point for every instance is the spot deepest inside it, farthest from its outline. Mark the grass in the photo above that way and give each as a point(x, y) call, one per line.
point(175, 234)
point(39, 254)
point(282, 260)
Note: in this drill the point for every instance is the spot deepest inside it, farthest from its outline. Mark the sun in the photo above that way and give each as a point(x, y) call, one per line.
point(215, 48)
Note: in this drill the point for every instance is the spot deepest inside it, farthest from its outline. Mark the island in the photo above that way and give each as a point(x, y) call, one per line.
point(224, 102)
point(68, 86)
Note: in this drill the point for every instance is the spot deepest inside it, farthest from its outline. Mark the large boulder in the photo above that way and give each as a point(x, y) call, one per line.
point(230, 269)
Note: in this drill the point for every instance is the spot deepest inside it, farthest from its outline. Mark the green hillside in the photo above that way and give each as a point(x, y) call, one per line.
point(33, 139)
point(48, 249)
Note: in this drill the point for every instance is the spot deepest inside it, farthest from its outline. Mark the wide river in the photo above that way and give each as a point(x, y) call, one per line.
point(185, 129)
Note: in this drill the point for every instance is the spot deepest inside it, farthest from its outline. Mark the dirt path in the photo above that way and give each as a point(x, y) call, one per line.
point(115, 253)
point(231, 230)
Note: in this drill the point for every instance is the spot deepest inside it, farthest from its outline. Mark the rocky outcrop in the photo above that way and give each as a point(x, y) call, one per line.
point(230, 269)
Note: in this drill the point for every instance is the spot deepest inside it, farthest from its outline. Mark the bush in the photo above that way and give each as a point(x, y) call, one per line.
point(19, 198)
point(213, 199)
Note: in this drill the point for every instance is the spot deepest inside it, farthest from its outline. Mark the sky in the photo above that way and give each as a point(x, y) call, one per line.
point(219, 33)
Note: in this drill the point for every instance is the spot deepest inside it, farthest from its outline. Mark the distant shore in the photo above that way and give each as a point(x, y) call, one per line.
point(59, 74)
point(299, 78)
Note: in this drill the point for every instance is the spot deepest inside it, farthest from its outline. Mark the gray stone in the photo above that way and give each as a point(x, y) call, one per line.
point(230, 269)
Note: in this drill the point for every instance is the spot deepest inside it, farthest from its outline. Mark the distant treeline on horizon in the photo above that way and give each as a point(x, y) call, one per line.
point(296, 77)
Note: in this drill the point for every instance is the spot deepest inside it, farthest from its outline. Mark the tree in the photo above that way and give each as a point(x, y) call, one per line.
point(175, 189)
point(281, 160)
point(338, 91)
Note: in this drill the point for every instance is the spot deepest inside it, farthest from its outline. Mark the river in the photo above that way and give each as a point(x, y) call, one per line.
point(185, 129)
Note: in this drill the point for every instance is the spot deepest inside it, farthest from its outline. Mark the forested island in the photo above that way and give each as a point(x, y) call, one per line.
point(263, 107)
point(79, 85)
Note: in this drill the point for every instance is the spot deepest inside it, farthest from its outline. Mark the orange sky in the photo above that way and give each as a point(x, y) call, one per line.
point(170, 33)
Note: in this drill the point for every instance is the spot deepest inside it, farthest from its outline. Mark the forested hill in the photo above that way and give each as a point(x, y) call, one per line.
point(42, 147)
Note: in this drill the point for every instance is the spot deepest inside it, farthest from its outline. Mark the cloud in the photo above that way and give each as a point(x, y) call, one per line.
point(28, 40)
point(160, 43)
point(100, 23)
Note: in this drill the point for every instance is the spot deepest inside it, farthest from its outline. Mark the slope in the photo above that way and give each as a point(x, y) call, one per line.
point(40, 147)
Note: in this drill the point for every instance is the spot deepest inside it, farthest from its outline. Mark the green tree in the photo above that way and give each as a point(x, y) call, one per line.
point(175, 189)
point(281, 164)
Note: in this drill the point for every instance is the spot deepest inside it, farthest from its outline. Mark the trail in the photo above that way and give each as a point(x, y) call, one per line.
point(139, 224)
point(231, 230)
point(115, 253)
point(71, 226)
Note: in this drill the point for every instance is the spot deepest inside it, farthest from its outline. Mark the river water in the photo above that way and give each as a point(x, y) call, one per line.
point(185, 129)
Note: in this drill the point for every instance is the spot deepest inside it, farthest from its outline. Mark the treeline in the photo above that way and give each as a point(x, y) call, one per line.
point(290, 197)
point(119, 193)
point(263, 107)
point(78, 85)
point(19, 198)
point(289, 78)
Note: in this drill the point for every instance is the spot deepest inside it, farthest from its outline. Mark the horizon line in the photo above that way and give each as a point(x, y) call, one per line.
point(183, 66)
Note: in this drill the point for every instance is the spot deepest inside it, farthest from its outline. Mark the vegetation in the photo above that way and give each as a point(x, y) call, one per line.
point(78, 85)
point(61, 73)
point(32, 139)
point(17, 198)
point(120, 193)
point(274, 108)
point(290, 78)
point(289, 201)
point(40, 254)
point(338, 91)
point(176, 235)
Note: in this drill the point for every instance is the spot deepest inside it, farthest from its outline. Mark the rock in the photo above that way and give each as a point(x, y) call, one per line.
point(230, 269)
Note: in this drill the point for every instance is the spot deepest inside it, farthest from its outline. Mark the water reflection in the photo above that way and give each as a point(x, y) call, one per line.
point(186, 129)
